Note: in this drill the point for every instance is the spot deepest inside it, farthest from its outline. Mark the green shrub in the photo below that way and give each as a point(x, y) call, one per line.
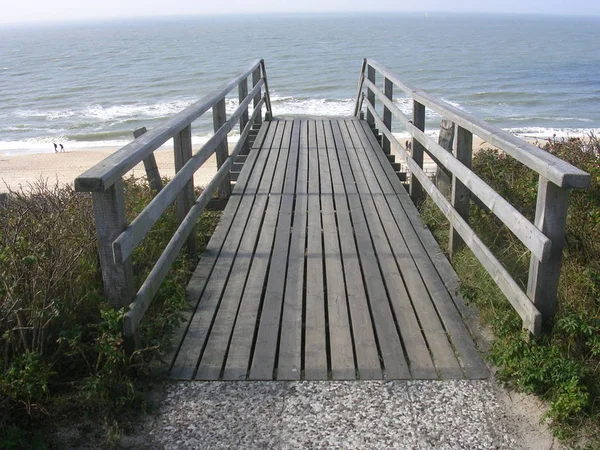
point(58, 337)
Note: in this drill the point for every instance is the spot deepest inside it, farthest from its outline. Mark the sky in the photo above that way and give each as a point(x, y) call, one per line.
point(78, 10)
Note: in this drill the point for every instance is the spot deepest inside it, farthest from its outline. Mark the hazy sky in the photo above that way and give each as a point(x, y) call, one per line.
point(53, 10)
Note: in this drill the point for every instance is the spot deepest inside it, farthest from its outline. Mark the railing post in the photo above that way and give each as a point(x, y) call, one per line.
point(387, 114)
point(109, 215)
point(370, 95)
point(551, 219)
point(416, 190)
point(222, 151)
point(117, 278)
point(268, 108)
point(243, 92)
point(182, 144)
point(150, 165)
point(460, 193)
point(443, 179)
point(257, 97)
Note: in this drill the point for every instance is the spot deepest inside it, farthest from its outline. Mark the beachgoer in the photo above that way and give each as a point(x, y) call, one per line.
point(62, 149)
point(55, 147)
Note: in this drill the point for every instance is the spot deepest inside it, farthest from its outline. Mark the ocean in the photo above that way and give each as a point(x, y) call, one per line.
point(90, 84)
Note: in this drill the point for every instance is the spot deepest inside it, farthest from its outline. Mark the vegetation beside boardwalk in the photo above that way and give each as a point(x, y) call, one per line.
point(61, 352)
point(563, 365)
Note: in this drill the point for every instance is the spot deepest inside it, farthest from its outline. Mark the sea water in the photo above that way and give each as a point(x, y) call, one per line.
point(90, 84)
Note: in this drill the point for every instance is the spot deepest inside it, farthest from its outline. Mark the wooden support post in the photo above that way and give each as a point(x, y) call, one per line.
point(460, 193)
point(243, 92)
point(150, 165)
point(443, 179)
point(416, 190)
point(222, 150)
point(551, 219)
point(182, 144)
point(387, 115)
point(257, 97)
point(371, 95)
point(117, 278)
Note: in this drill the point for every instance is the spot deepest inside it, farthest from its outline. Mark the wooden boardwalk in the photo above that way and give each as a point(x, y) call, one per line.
point(321, 269)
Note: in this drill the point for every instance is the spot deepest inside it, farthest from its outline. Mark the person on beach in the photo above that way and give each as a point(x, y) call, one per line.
point(55, 148)
point(62, 149)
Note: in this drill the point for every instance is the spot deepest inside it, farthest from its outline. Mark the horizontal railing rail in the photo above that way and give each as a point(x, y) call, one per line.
point(117, 239)
point(544, 238)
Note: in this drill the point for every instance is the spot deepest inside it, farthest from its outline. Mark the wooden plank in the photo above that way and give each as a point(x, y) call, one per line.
point(213, 357)
point(315, 342)
point(289, 364)
point(238, 359)
point(551, 219)
point(269, 267)
point(415, 313)
point(202, 273)
point(443, 179)
point(340, 338)
point(150, 165)
point(101, 176)
point(549, 166)
point(408, 219)
point(365, 345)
point(192, 347)
point(390, 345)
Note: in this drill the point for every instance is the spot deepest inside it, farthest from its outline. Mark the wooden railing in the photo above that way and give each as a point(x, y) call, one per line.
point(117, 239)
point(544, 238)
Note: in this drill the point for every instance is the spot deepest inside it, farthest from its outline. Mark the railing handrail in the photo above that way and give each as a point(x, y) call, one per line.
point(104, 174)
point(554, 169)
point(117, 239)
point(544, 239)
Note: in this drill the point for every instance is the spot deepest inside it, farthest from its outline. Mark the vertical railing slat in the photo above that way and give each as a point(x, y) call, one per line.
point(387, 114)
point(416, 190)
point(460, 193)
point(182, 146)
point(243, 92)
point(258, 96)
point(150, 165)
point(222, 151)
point(371, 95)
point(551, 219)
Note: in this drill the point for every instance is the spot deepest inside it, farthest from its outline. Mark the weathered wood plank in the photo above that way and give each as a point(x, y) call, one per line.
point(414, 231)
point(367, 354)
point(192, 347)
point(269, 261)
point(340, 338)
point(366, 232)
point(200, 276)
point(370, 93)
point(238, 359)
point(213, 357)
point(289, 364)
point(418, 120)
point(315, 343)
point(415, 313)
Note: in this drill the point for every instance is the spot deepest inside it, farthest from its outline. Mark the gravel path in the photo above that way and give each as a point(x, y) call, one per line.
point(361, 415)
